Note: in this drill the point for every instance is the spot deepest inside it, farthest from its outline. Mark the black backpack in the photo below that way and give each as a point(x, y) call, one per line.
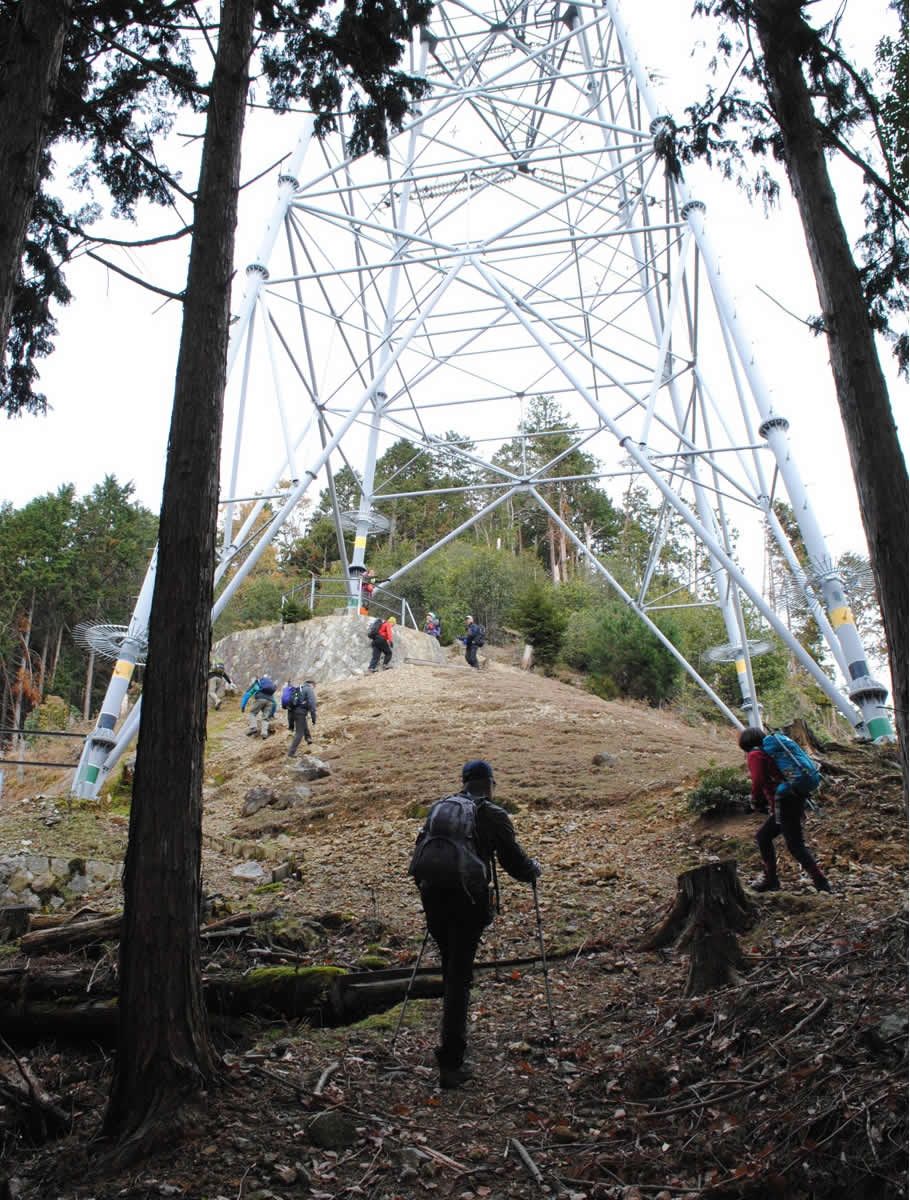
point(447, 852)
point(374, 627)
point(480, 637)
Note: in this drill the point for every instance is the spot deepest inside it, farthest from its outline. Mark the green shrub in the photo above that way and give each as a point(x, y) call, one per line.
point(541, 622)
point(621, 654)
point(292, 612)
point(720, 792)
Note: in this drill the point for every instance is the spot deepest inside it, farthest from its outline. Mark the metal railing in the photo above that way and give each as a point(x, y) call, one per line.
point(321, 591)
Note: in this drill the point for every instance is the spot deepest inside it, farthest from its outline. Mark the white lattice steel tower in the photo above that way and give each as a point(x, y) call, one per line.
point(524, 237)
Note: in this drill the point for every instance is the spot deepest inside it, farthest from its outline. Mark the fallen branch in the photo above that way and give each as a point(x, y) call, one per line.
point(528, 1163)
point(37, 1112)
point(326, 1076)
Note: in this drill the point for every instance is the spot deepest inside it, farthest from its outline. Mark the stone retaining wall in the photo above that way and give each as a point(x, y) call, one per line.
point(39, 881)
point(323, 649)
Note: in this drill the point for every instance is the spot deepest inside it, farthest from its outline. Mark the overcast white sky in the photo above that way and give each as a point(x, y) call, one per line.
point(110, 380)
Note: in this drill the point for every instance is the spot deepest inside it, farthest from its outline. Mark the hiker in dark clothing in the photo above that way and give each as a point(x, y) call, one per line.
point(473, 638)
point(302, 704)
point(454, 874)
point(772, 794)
point(382, 645)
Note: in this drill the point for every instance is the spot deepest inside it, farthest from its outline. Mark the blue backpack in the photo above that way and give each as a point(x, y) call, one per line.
point(800, 772)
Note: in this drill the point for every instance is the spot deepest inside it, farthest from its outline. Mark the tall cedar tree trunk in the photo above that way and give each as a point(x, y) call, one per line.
point(29, 67)
point(164, 1055)
point(875, 454)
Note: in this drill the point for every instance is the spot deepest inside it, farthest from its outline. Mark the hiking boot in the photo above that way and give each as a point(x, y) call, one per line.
point(454, 1077)
point(251, 733)
point(822, 884)
point(765, 883)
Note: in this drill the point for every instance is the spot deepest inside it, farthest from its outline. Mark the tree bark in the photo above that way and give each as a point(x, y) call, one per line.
point(709, 910)
point(879, 470)
point(165, 1057)
point(29, 68)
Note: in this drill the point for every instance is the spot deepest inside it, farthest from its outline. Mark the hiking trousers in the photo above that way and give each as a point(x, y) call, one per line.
point(456, 925)
point(259, 715)
point(470, 654)
point(297, 719)
point(788, 820)
point(380, 647)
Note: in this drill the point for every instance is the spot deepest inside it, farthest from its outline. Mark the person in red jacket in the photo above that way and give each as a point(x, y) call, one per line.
point(785, 809)
point(382, 645)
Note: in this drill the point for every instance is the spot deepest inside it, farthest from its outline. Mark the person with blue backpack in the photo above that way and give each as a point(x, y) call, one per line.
point(783, 778)
point(258, 703)
point(454, 869)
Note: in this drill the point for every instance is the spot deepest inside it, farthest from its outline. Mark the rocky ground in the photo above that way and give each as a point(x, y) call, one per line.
point(791, 1083)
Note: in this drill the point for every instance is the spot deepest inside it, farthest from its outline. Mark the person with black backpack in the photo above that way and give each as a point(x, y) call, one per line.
point(785, 802)
point(381, 635)
point(453, 867)
point(474, 638)
point(301, 704)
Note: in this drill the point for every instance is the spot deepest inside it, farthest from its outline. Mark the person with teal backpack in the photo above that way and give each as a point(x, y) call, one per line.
point(783, 778)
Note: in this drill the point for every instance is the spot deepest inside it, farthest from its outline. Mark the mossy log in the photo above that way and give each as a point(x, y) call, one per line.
point(69, 937)
point(37, 1004)
point(709, 910)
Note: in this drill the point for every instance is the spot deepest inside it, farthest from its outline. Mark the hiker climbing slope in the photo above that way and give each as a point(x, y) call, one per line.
point(301, 706)
point(474, 638)
point(782, 793)
point(382, 638)
point(452, 865)
point(259, 705)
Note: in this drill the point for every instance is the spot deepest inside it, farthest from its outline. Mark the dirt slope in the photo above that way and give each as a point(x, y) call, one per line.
point(644, 1094)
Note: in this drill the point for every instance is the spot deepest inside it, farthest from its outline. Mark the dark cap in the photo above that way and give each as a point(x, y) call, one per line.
point(477, 769)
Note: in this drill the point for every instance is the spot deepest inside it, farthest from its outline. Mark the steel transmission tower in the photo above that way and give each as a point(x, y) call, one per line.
point(528, 235)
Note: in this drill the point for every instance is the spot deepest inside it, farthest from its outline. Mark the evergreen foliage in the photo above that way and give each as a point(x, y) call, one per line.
point(541, 620)
point(622, 656)
point(720, 792)
point(64, 560)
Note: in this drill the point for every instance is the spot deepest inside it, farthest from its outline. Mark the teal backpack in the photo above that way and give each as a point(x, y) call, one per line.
point(800, 772)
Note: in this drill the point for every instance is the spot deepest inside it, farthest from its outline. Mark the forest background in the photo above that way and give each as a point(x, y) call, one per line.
point(66, 560)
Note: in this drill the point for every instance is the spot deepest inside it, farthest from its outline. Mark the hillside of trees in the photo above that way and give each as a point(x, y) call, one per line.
point(65, 560)
point(519, 575)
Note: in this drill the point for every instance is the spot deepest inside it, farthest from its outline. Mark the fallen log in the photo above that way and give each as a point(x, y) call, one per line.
point(709, 910)
point(323, 996)
point(69, 937)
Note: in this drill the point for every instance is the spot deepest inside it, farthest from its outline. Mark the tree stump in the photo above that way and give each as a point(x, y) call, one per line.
point(709, 910)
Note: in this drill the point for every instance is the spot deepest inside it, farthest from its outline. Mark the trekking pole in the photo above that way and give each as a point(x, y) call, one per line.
point(495, 885)
point(497, 909)
point(543, 959)
point(404, 1003)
